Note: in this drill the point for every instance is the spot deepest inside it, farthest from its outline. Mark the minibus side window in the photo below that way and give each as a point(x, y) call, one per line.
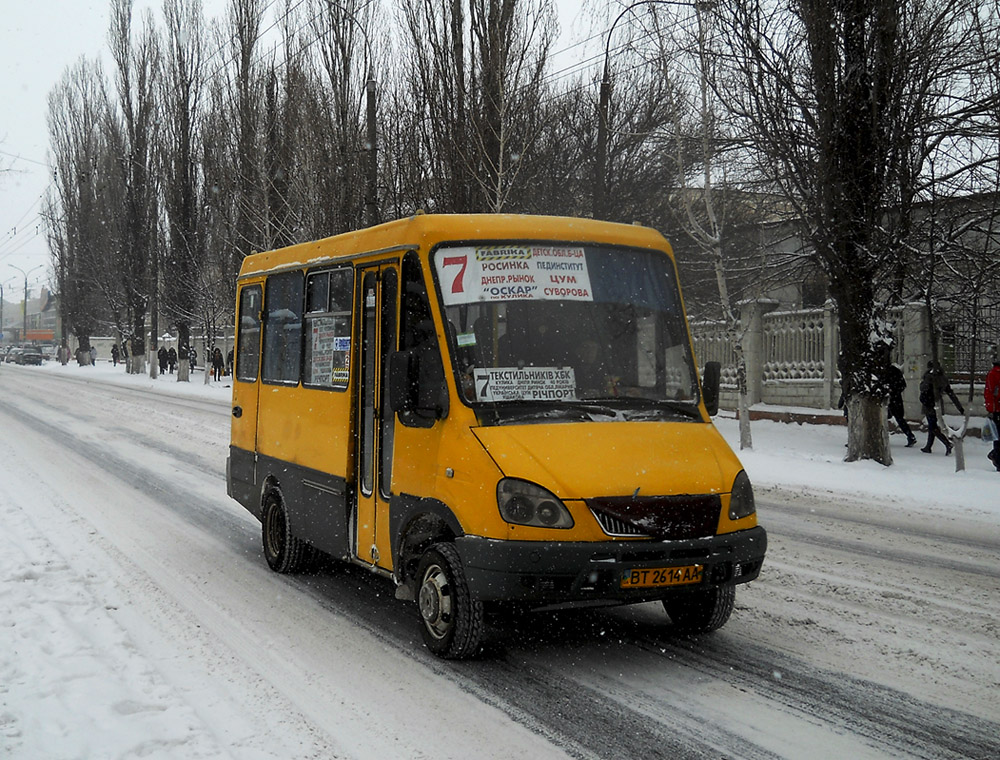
point(248, 348)
point(328, 329)
point(418, 335)
point(283, 328)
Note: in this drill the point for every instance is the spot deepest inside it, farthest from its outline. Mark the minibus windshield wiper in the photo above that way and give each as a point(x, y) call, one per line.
point(582, 410)
point(637, 407)
point(612, 408)
point(558, 412)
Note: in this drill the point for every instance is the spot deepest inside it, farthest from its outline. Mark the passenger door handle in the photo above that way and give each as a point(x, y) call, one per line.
point(237, 411)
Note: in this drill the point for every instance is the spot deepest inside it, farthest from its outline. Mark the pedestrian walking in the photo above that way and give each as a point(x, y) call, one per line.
point(172, 359)
point(93, 355)
point(193, 356)
point(896, 384)
point(218, 364)
point(161, 358)
point(934, 386)
point(229, 363)
point(991, 394)
point(114, 354)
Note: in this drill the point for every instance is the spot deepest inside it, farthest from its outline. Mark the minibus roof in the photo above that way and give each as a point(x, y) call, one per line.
point(427, 230)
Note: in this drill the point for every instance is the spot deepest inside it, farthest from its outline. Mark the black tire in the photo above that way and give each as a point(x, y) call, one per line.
point(283, 551)
point(701, 611)
point(451, 620)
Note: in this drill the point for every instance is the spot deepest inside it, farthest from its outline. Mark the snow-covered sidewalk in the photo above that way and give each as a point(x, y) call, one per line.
point(810, 458)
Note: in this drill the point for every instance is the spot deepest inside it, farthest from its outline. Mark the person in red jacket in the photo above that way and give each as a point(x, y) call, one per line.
point(991, 394)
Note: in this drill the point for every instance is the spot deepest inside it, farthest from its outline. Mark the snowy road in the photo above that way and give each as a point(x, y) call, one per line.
point(138, 618)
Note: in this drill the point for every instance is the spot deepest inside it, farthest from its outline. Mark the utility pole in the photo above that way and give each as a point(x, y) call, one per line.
point(599, 209)
point(24, 309)
point(371, 201)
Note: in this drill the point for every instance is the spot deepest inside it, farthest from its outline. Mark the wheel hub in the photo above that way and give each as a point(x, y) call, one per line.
point(435, 602)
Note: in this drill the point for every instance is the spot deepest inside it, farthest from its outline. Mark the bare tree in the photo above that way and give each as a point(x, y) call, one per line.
point(76, 210)
point(245, 18)
point(840, 97)
point(704, 213)
point(476, 84)
point(182, 85)
point(132, 129)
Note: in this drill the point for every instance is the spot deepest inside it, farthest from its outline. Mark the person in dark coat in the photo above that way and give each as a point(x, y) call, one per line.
point(218, 364)
point(161, 357)
point(896, 384)
point(934, 386)
point(229, 363)
point(172, 359)
point(114, 354)
point(193, 357)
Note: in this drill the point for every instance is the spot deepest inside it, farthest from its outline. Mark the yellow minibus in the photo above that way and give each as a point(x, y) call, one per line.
point(488, 410)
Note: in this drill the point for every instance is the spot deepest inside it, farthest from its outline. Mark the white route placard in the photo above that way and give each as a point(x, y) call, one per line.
point(471, 274)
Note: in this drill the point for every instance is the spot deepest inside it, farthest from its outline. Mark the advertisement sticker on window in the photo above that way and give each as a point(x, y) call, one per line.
point(330, 351)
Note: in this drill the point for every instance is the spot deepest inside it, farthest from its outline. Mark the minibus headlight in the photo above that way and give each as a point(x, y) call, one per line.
point(524, 503)
point(741, 500)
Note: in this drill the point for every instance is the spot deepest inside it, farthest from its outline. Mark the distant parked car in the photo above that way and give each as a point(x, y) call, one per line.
point(12, 354)
point(29, 355)
point(49, 353)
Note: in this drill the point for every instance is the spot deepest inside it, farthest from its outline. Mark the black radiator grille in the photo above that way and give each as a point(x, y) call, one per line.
point(667, 517)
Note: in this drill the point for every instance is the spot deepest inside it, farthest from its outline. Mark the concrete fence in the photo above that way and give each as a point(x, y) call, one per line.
point(791, 356)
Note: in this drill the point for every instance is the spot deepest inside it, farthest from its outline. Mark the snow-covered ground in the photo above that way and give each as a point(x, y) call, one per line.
point(109, 612)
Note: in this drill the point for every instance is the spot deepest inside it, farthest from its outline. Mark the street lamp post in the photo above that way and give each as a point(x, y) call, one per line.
point(24, 309)
point(601, 184)
point(371, 201)
point(1, 313)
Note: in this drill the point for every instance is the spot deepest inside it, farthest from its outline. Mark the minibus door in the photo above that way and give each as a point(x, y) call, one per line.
point(376, 421)
point(243, 452)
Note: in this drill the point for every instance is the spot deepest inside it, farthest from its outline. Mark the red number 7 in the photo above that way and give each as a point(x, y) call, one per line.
point(457, 286)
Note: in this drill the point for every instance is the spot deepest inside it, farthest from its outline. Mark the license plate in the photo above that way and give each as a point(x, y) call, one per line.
point(655, 577)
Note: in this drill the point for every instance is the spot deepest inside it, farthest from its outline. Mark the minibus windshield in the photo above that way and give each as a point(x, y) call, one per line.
point(555, 330)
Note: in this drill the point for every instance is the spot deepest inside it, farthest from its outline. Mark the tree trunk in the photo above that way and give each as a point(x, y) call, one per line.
point(867, 429)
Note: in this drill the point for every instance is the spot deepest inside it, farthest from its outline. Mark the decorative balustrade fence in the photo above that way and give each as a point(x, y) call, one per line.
point(791, 356)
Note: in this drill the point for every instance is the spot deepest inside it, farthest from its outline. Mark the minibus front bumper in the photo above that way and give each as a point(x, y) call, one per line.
point(554, 572)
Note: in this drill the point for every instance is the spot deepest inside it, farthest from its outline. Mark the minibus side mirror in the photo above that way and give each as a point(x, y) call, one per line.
point(710, 383)
point(402, 381)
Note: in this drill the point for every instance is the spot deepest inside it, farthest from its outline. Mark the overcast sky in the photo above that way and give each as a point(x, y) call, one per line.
point(39, 39)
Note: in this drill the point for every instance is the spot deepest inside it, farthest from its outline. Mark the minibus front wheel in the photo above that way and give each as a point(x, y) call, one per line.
point(452, 621)
point(702, 610)
point(283, 551)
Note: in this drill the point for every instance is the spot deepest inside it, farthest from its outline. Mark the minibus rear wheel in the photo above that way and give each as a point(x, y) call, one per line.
point(284, 552)
point(452, 621)
point(701, 611)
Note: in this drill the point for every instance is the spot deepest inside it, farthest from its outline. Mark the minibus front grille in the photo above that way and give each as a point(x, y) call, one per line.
point(665, 517)
point(614, 526)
